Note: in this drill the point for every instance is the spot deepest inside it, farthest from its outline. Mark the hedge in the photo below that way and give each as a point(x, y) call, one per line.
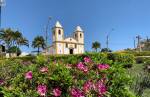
point(99, 75)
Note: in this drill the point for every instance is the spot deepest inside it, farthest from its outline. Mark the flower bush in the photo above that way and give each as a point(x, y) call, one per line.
point(87, 76)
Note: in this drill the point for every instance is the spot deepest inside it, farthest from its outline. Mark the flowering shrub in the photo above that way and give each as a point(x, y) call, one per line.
point(28, 75)
point(42, 89)
point(87, 77)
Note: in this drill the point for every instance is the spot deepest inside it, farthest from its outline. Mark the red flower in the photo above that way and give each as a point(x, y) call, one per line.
point(42, 89)
point(44, 69)
point(87, 59)
point(57, 92)
point(103, 66)
point(28, 75)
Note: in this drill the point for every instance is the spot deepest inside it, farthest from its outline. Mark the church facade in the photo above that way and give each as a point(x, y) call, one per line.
point(66, 45)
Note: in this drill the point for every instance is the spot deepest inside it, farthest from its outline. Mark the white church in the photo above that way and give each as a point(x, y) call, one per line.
point(66, 45)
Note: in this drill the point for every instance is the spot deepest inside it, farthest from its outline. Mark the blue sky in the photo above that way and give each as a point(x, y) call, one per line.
point(96, 17)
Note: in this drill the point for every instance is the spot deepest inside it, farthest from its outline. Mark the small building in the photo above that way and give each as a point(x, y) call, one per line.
point(66, 45)
point(2, 51)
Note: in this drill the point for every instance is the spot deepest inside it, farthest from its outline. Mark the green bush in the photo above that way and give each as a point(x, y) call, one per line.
point(65, 73)
point(126, 60)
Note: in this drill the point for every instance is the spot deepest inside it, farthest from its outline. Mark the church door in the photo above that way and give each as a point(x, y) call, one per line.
point(71, 51)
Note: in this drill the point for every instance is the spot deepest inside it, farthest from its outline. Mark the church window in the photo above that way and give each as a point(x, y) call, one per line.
point(66, 45)
point(54, 33)
point(80, 35)
point(75, 35)
point(59, 31)
point(75, 45)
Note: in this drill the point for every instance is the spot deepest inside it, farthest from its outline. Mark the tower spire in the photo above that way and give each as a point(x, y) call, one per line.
point(78, 28)
point(58, 24)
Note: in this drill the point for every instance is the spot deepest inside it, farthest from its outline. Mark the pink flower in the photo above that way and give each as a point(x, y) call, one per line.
point(87, 86)
point(100, 87)
point(87, 59)
point(57, 92)
point(28, 75)
point(1, 82)
point(44, 69)
point(85, 69)
point(76, 93)
point(103, 66)
point(80, 66)
point(42, 89)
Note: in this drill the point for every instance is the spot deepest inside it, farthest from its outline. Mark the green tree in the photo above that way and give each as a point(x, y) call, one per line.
point(13, 39)
point(96, 45)
point(38, 42)
point(106, 50)
point(14, 49)
point(6, 36)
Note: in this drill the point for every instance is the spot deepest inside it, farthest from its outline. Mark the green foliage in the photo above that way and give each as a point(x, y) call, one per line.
point(13, 39)
point(106, 50)
point(38, 42)
point(14, 49)
point(126, 60)
point(135, 53)
point(96, 45)
point(63, 73)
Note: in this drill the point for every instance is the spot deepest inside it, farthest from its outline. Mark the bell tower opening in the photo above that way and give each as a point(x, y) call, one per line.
point(71, 51)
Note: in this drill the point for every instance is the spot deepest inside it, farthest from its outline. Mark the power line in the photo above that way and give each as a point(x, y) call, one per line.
point(46, 36)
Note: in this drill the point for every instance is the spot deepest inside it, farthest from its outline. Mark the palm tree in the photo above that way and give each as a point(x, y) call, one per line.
point(12, 38)
point(6, 36)
point(38, 42)
point(23, 42)
point(96, 45)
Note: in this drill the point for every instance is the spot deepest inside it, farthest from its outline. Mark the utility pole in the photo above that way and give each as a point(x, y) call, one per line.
point(46, 36)
point(1, 4)
point(107, 41)
point(107, 38)
point(147, 38)
point(139, 42)
point(134, 43)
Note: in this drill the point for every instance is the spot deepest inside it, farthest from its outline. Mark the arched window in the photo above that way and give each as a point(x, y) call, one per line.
point(54, 33)
point(80, 35)
point(75, 35)
point(59, 31)
point(66, 45)
point(75, 45)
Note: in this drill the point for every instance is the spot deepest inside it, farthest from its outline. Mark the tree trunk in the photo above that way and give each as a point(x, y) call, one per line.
point(96, 49)
point(38, 50)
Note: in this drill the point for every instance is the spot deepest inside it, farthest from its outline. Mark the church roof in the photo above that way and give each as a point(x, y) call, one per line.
point(58, 24)
point(78, 28)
